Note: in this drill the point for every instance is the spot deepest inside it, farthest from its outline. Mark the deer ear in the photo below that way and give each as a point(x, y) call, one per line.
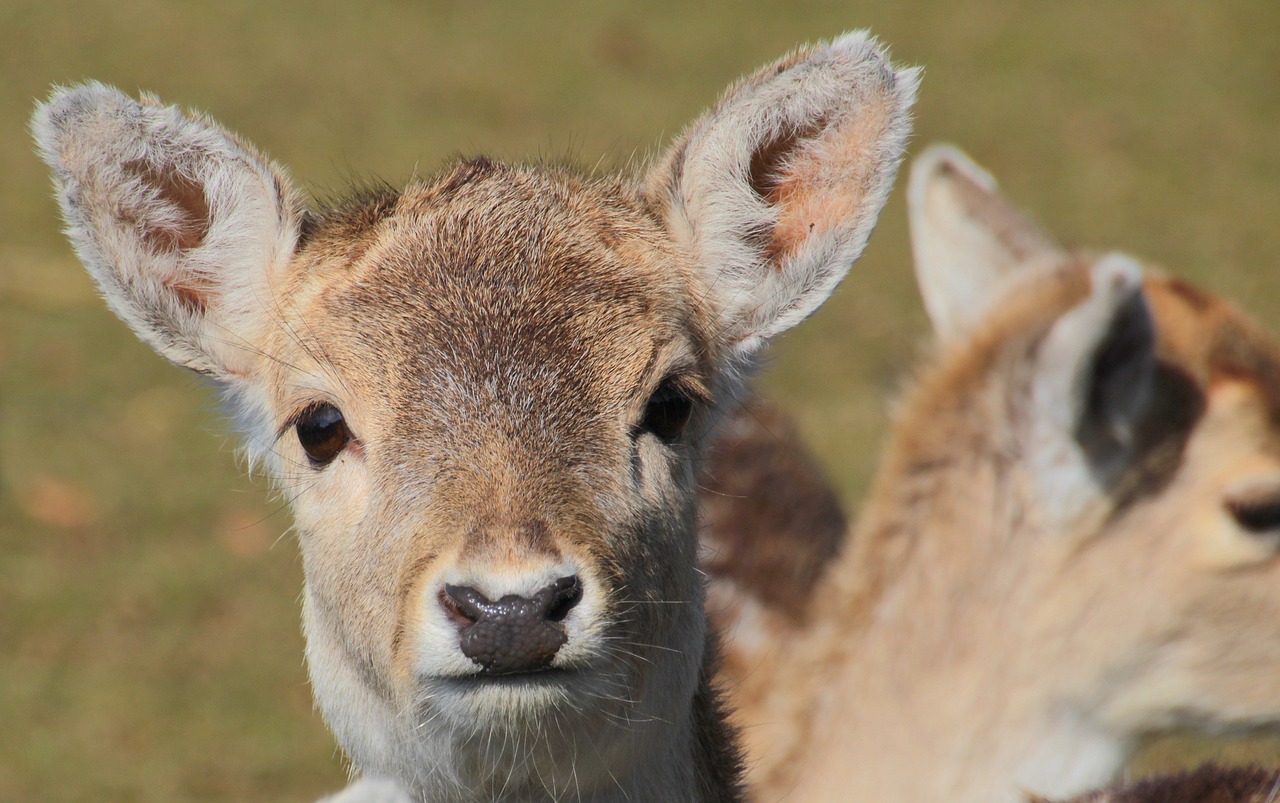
point(776, 189)
point(1093, 381)
point(967, 239)
point(182, 226)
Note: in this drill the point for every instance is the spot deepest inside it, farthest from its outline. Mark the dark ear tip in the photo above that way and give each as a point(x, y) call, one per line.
point(1126, 355)
point(77, 100)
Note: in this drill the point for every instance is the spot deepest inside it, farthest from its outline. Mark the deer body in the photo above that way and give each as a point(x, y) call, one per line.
point(486, 396)
point(1071, 542)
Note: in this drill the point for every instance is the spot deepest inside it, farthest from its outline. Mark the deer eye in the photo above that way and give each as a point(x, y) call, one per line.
point(667, 412)
point(323, 433)
point(1255, 504)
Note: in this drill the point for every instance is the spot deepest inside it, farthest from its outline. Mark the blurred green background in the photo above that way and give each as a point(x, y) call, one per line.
point(149, 640)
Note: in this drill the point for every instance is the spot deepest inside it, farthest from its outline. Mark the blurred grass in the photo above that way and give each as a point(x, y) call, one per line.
point(149, 645)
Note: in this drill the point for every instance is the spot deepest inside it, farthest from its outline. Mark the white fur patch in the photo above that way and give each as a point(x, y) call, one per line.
point(836, 120)
point(370, 790)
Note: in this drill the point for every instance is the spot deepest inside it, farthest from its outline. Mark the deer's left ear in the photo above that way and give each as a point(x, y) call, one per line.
point(776, 189)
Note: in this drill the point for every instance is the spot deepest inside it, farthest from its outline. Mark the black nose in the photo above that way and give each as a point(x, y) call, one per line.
point(513, 634)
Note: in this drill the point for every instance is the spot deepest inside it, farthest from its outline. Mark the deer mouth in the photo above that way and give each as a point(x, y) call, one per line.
point(533, 678)
point(517, 693)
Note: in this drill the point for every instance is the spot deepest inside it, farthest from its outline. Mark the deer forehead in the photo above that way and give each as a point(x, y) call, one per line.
point(514, 301)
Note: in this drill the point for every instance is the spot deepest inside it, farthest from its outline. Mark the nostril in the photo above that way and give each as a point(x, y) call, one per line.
point(513, 634)
point(463, 605)
point(566, 593)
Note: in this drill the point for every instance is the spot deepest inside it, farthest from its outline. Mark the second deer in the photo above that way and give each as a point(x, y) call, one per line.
point(1073, 540)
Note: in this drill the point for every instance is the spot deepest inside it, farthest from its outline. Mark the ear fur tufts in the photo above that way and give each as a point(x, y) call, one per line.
point(775, 191)
point(181, 225)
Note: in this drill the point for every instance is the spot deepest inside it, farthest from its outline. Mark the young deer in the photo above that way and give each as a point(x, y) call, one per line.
point(486, 397)
point(1072, 540)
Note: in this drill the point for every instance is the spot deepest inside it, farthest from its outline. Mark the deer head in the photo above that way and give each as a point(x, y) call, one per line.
point(1072, 542)
point(486, 396)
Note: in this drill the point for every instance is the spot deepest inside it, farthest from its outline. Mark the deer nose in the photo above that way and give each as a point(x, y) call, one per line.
point(513, 634)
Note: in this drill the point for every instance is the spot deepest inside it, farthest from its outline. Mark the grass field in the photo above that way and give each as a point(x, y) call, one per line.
point(149, 643)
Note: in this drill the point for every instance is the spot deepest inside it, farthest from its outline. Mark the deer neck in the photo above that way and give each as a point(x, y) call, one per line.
point(948, 662)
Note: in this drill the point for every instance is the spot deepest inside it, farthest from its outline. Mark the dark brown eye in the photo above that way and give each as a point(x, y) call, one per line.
point(667, 412)
point(1256, 516)
point(1255, 505)
point(323, 433)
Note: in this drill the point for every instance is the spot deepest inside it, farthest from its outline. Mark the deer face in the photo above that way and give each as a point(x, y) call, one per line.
point(1208, 600)
point(1139, 444)
point(486, 396)
point(519, 397)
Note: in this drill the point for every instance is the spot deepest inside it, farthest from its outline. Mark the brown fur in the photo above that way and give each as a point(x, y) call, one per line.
point(717, 756)
point(771, 525)
point(771, 520)
point(892, 544)
point(1210, 783)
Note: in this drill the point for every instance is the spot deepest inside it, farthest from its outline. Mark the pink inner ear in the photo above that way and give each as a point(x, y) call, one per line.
point(772, 168)
point(192, 294)
point(180, 191)
point(823, 181)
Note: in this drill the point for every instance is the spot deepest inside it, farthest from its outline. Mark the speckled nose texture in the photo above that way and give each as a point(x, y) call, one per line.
point(514, 634)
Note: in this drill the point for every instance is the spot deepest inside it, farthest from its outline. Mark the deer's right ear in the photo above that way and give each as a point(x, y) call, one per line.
point(775, 190)
point(182, 226)
point(967, 238)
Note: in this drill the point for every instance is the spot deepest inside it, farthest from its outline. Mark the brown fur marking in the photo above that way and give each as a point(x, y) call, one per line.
point(1210, 783)
point(183, 193)
point(771, 520)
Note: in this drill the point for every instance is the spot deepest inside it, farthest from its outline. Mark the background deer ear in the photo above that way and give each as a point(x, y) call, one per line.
point(1094, 380)
point(967, 239)
point(182, 226)
point(776, 189)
